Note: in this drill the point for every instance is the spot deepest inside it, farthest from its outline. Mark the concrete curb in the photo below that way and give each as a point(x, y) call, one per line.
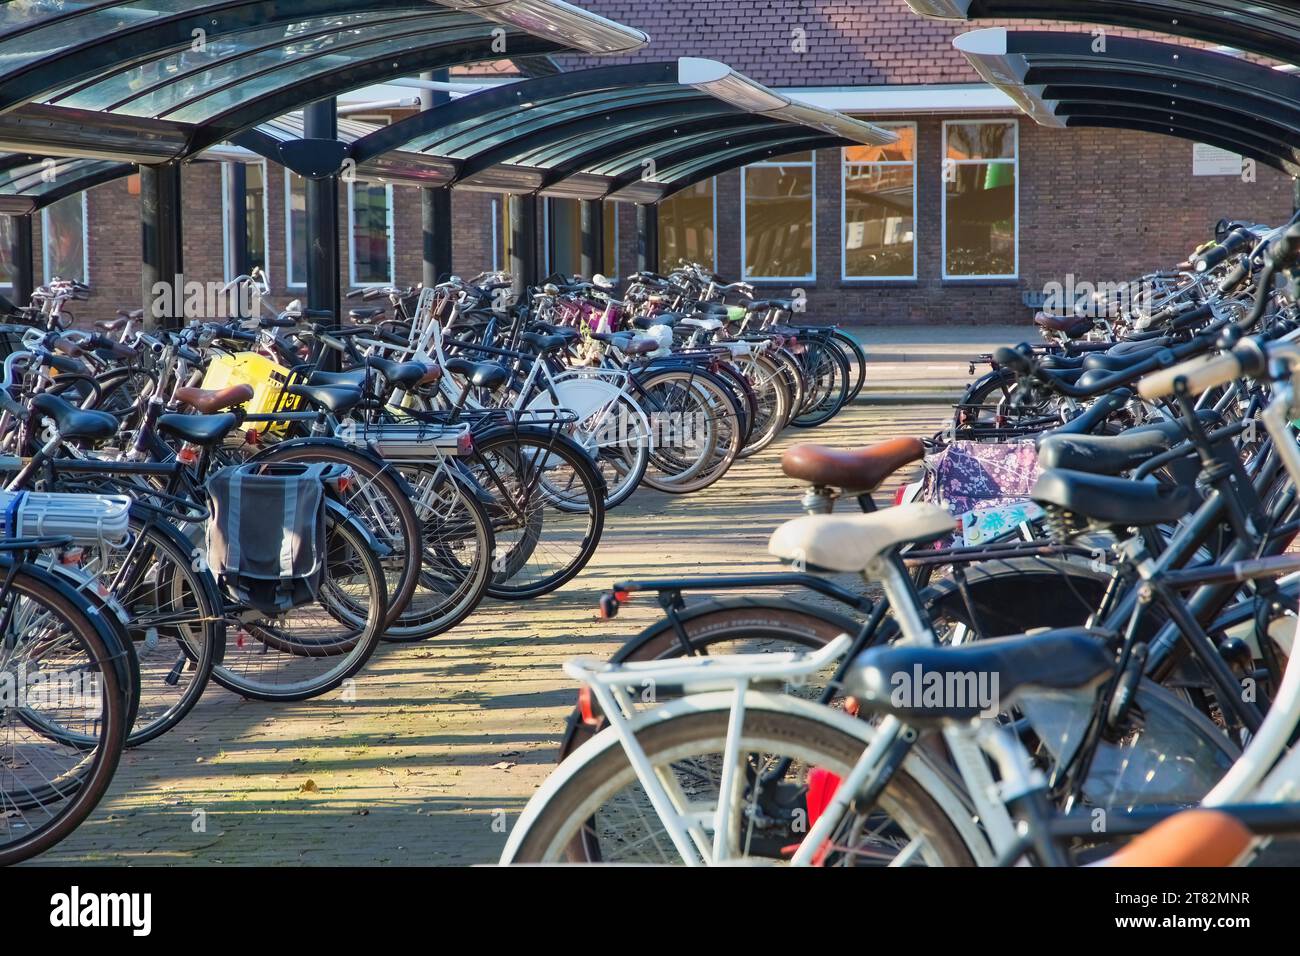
point(907, 398)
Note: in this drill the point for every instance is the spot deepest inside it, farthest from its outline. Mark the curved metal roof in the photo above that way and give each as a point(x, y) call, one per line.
point(635, 132)
point(1266, 27)
point(29, 183)
point(1059, 79)
point(216, 67)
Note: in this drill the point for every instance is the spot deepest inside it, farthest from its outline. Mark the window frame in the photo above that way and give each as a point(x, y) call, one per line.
point(352, 238)
point(845, 163)
point(227, 237)
point(85, 240)
point(1013, 162)
point(745, 274)
point(289, 281)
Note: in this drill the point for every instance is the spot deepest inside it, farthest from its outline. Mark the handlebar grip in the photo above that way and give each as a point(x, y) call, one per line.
point(1233, 242)
point(1236, 277)
point(1012, 359)
point(1201, 373)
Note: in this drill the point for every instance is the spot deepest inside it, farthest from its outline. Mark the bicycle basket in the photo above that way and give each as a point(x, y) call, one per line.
point(266, 535)
point(266, 378)
point(89, 520)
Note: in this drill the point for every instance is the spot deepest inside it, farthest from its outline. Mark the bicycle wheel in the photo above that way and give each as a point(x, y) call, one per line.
point(311, 649)
point(795, 381)
point(546, 502)
point(700, 432)
point(773, 401)
point(380, 499)
point(63, 735)
point(175, 619)
point(828, 376)
point(856, 359)
point(457, 554)
point(602, 814)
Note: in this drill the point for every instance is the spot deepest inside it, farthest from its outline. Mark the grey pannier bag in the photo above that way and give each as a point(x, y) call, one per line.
point(266, 533)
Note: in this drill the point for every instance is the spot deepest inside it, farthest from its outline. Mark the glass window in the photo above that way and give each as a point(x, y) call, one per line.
point(980, 200)
point(371, 249)
point(245, 235)
point(295, 228)
point(688, 227)
point(501, 239)
point(63, 239)
point(879, 200)
point(778, 218)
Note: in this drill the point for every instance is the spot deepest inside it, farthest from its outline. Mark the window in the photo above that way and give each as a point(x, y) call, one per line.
point(501, 238)
point(244, 235)
point(295, 229)
point(687, 227)
point(981, 200)
point(778, 218)
point(564, 237)
point(878, 199)
point(63, 239)
point(370, 219)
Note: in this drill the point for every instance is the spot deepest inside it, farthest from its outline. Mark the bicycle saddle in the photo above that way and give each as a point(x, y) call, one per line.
point(1114, 454)
point(850, 542)
point(857, 471)
point(1065, 659)
point(198, 429)
point(352, 378)
point(663, 318)
point(213, 400)
point(332, 398)
point(113, 325)
point(402, 375)
point(1117, 362)
point(365, 314)
point(480, 374)
point(627, 343)
point(1112, 501)
point(542, 342)
point(1071, 326)
point(73, 422)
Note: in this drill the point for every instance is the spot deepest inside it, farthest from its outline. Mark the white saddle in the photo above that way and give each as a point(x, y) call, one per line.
point(850, 542)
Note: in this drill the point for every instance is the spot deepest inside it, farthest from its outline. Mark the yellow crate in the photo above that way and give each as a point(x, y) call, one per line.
point(266, 377)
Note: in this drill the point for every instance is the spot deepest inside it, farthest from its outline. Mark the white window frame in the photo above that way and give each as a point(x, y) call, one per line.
point(810, 163)
point(713, 185)
point(845, 163)
point(85, 242)
point(352, 238)
point(1014, 162)
point(227, 238)
point(288, 233)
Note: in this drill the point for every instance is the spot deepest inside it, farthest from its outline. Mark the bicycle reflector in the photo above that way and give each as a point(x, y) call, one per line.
point(465, 444)
point(587, 709)
point(609, 603)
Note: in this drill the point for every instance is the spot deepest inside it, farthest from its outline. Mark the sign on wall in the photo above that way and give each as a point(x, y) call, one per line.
point(1213, 161)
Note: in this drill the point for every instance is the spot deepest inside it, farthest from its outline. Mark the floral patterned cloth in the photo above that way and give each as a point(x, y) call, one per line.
point(986, 485)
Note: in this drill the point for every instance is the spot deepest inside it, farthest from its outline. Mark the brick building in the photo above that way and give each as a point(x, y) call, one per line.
point(971, 214)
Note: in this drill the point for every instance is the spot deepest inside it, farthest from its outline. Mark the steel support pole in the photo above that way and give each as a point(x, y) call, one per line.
point(647, 237)
point(162, 276)
point(20, 254)
point(523, 242)
point(592, 222)
point(320, 121)
point(435, 202)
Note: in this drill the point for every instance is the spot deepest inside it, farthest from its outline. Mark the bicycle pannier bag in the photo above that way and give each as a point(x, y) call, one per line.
point(266, 533)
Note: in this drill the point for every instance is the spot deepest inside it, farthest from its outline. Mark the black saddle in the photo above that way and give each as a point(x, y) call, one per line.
point(480, 374)
point(895, 678)
point(1118, 361)
point(364, 314)
point(73, 422)
point(352, 378)
point(663, 318)
point(1113, 501)
point(1115, 454)
point(333, 398)
point(404, 375)
point(543, 342)
point(198, 429)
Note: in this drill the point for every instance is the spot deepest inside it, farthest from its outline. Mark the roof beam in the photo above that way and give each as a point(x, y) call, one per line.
point(58, 131)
